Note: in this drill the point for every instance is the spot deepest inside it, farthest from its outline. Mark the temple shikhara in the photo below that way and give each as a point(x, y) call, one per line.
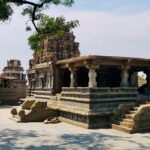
point(89, 91)
point(12, 82)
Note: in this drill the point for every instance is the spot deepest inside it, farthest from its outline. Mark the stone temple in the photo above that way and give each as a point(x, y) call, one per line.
point(12, 82)
point(88, 91)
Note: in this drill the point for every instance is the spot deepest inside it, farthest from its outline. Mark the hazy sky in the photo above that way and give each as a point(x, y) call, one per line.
point(107, 27)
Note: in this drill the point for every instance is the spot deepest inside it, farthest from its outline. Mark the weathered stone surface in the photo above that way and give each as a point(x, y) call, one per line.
point(123, 108)
point(53, 49)
point(12, 83)
point(88, 86)
point(38, 112)
point(27, 104)
point(142, 118)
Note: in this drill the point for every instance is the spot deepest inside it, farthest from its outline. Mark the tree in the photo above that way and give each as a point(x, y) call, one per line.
point(50, 27)
point(33, 8)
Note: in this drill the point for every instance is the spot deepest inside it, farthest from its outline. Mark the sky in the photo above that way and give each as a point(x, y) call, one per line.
point(107, 27)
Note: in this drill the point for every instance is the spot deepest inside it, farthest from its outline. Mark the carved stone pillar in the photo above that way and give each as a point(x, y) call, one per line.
point(124, 78)
point(73, 77)
point(92, 78)
point(134, 79)
point(49, 80)
point(92, 73)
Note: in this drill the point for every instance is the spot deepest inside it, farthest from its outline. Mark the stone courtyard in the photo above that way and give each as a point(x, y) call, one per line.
point(64, 136)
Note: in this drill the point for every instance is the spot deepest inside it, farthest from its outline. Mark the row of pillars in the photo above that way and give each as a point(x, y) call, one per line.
point(92, 78)
point(93, 74)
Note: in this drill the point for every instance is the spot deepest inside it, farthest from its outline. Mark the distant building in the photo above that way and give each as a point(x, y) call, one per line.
point(14, 69)
point(12, 82)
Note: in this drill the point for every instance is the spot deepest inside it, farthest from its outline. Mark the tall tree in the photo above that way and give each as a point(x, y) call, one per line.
point(33, 8)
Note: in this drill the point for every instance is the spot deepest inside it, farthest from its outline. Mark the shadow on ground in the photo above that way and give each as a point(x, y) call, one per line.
point(32, 140)
point(5, 106)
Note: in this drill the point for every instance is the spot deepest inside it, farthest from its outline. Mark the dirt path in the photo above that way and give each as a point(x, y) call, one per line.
point(62, 136)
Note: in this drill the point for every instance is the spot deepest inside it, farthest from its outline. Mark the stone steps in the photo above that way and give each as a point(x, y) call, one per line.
point(135, 108)
point(132, 112)
point(128, 120)
point(129, 116)
point(126, 124)
point(121, 128)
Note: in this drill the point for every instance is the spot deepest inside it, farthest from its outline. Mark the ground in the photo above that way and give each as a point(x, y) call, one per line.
point(62, 136)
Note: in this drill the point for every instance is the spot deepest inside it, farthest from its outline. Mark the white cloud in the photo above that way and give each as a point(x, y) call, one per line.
point(99, 33)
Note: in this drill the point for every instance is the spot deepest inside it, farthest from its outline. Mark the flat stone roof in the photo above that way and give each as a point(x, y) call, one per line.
point(99, 57)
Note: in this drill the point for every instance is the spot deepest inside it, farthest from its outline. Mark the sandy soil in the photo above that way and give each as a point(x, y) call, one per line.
point(62, 136)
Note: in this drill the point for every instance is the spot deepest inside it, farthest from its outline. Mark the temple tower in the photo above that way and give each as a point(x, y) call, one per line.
point(14, 70)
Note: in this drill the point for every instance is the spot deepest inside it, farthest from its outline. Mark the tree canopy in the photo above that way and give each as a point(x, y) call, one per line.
point(33, 8)
point(50, 27)
point(45, 26)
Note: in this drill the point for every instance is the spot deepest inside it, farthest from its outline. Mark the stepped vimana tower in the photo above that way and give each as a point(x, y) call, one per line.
point(53, 49)
point(12, 82)
point(14, 70)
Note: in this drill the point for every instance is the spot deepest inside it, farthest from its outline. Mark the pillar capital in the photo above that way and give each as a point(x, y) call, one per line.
point(125, 67)
point(90, 65)
point(72, 69)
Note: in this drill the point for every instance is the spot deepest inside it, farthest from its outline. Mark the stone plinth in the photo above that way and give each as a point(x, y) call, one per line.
point(93, 107)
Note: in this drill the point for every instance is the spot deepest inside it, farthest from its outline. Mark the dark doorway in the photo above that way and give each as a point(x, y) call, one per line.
point(82, 77)
point(110, 77)
point(66, 78)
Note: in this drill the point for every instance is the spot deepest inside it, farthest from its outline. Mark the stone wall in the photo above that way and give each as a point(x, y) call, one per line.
point(93, 107)
point(8, 96)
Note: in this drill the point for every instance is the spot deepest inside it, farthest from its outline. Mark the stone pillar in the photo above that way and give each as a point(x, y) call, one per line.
point(20, 76)
point(41, 84)
point(73, 77)
point(92, 77)
point(134, 79)
point(124, 78)
point(49, 80)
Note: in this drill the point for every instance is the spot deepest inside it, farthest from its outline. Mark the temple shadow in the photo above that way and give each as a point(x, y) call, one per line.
point(5, 106)
point(90, 141)
point(96, 141)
